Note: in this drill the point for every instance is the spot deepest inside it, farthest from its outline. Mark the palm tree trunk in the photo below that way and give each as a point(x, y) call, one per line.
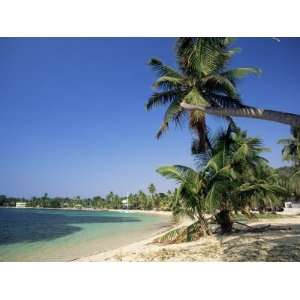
point(203, 226)
point(225, 221)
point(248, 112)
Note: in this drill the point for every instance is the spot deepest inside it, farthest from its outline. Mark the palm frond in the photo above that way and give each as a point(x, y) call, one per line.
point(177, 172)
point(162, 69)
point(168, 83)
point(201, 55)
point(221, 84)
point(240, 73)
point(163, 98)
point(173, 113)
point(285, 141)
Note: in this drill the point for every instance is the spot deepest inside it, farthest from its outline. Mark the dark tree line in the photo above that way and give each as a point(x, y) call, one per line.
point(139, 200)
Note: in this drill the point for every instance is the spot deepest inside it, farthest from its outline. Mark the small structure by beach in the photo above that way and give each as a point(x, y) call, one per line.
point(125, 204)
point(78, 206)
point(20, 204)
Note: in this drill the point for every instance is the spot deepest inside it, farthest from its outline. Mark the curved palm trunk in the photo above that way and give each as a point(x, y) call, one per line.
point(203, 226)
point(248, 112)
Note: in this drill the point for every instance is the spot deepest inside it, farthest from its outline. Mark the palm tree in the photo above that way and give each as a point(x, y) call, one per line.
point(246, 112)
point(263, 189)
point(230, 176)
point(252, 179)
point(142, 200)
point(152, 191)
point(291, 149)
point(202, 78)
point(189, 198)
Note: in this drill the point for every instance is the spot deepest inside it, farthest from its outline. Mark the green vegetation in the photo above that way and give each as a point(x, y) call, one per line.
point(202, 84)
point(202, 79)
point(290, 176)
point(231, 177)
point(140, 200)
point(291, 148)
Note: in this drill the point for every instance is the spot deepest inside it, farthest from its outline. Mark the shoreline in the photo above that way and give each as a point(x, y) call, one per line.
point(103, 255)
point(129, 211)
point(163, 228)
point(149, 212)
point(267, 246)
point(155, 222)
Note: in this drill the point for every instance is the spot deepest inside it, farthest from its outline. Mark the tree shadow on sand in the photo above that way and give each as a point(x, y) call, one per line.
point(270, 246)
point(32, 226)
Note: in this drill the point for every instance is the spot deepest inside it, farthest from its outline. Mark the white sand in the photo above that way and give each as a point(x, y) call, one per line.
point(279, 245)
point(148, 212)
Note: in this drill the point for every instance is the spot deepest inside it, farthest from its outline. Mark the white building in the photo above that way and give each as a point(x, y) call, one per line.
point(78, 206)
point(125, 204)
point(20, 204)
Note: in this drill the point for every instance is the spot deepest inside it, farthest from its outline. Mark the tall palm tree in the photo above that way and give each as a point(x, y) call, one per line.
point(202, 78)
point(152, 189)
point(291, 148)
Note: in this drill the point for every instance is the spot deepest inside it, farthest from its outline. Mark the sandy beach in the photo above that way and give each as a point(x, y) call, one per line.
point(149, 212)
point(275, 245)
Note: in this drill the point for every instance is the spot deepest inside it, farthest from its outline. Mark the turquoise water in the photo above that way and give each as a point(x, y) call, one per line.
point(63, 235)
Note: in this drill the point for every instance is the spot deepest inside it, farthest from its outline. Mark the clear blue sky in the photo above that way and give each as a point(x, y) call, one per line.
point(72, 117)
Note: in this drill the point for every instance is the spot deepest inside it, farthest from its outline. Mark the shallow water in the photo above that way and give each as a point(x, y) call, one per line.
point(63, 235)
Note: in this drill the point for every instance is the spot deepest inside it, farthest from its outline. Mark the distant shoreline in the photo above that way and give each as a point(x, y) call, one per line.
point(130, 211)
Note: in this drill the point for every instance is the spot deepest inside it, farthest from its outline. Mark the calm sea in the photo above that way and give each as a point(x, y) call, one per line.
point(63, 235)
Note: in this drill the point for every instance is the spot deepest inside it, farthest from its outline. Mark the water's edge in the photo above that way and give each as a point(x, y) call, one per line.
point(66, 235)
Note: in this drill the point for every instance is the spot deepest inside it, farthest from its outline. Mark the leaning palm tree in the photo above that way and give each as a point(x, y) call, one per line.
point(202, 78)
point(291, 149)
point(245, 111)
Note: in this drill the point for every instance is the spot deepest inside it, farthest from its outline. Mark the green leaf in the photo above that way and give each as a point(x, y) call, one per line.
point(162, 69)
point(239, 73)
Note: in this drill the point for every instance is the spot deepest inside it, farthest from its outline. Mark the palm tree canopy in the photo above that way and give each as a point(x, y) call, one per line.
point(233, 162)
point(202, 78)
point(291, 148)
point(152, 188)
point(189, 198)
point(231, 175)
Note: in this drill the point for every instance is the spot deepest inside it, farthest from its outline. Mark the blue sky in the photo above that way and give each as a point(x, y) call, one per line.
point(72, 117)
